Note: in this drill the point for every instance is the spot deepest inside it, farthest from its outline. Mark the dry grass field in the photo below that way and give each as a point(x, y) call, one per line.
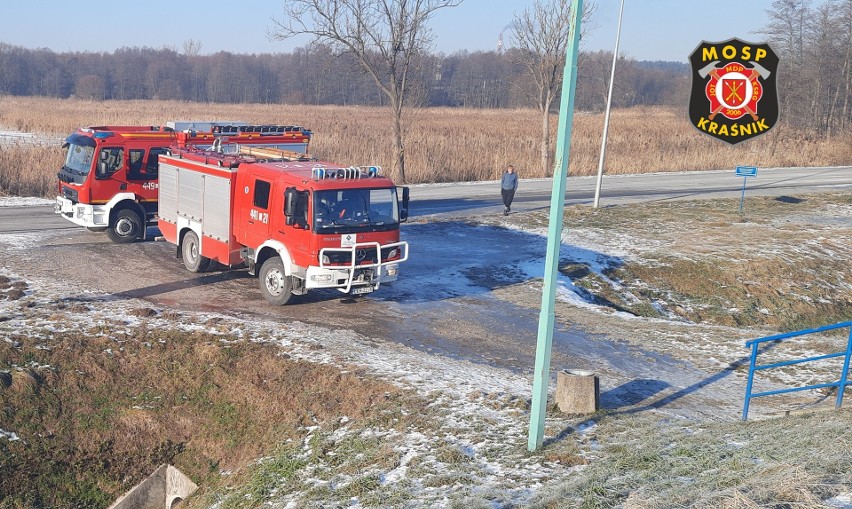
point(443, 145)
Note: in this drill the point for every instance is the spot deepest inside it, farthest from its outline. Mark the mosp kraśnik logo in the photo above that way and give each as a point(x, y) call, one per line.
point(733, 95)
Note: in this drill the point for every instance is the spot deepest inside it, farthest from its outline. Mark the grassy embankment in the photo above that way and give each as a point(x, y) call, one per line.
point(783, 263)
point(443, 145)
point(98, 407)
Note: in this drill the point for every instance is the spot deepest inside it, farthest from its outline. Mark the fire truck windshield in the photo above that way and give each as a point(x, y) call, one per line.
point(79, 159)
point(355, 209)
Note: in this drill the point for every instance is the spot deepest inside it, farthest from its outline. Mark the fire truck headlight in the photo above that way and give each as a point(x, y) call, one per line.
point(325, 260)
point(393, 253)
point(322, 278)
point(392, 270)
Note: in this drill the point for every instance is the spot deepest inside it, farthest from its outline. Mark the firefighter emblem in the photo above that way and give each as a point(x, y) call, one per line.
point(733, 95)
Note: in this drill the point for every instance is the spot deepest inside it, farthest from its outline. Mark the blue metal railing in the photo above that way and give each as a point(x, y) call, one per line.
point(754, 344)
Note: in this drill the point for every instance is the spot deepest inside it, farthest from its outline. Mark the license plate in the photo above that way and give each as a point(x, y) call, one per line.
point(358, 290)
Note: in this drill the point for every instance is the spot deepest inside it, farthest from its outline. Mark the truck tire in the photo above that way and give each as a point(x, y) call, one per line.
point(126, 227)
point(275, 286)
point(190, 250)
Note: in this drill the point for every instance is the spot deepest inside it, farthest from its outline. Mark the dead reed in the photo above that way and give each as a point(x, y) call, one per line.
point(29, 170)
point(442, 144)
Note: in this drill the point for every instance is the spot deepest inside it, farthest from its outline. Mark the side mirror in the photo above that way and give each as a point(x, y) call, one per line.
point(291, 199)
point(295, 207)
point(403, 209)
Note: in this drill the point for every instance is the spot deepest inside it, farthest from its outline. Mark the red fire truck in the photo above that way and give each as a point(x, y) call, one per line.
point(298, 225)
point(109, 179)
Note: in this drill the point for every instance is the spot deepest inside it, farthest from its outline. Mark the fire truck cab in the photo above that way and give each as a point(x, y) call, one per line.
point(297, 225)
point(109, 181)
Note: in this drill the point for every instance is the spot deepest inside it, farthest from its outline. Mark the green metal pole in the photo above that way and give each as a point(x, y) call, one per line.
point(541, 378)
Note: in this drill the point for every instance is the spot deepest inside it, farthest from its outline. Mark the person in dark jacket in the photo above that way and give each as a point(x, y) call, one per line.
point(508, 186)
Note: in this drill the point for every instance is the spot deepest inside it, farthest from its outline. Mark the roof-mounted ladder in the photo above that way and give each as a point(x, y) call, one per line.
point(273, 153)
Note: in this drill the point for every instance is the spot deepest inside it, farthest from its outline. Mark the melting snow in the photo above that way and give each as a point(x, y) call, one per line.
point(8, 435)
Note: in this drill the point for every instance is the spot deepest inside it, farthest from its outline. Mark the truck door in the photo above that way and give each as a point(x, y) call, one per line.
point(255, 210)
point(142, 176)
point(109, 177)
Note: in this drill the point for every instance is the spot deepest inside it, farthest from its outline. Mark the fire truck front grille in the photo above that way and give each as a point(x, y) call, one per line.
point(363, 256)
point(71, 194)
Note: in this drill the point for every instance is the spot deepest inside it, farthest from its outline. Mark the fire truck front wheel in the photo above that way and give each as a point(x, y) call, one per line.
point(190, 250)
point(125, 227)
point(275, 286)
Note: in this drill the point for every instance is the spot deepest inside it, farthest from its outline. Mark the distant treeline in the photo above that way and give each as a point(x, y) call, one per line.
point(317, 75)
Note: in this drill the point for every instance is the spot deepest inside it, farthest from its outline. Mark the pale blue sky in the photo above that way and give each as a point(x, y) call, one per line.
point(651, 29)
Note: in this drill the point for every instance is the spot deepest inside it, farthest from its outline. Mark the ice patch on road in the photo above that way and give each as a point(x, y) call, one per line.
point(20, 241)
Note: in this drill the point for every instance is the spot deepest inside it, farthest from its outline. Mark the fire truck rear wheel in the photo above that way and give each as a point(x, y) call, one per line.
point(191, 254)
point(275, 286)
point(126, 227)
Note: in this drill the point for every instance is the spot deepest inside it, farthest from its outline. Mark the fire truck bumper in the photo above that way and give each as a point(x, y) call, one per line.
point(90, 216)
point(364, 280)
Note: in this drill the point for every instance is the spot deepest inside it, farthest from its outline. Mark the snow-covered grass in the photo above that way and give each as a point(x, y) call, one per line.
point(468, 446)
point(780, 268)
point(481, 433)
point(470, 449)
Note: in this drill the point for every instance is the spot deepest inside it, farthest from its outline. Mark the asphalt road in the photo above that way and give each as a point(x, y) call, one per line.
point(534, 194)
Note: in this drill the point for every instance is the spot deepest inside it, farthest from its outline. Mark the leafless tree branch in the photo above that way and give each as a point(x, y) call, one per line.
point(387, 37)
point(541, 33)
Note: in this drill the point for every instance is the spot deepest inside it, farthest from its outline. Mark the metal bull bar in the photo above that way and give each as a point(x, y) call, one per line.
point(354, 265)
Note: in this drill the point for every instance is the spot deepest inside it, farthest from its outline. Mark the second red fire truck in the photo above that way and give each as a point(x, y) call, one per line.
point(297, 224)
point(110, 177)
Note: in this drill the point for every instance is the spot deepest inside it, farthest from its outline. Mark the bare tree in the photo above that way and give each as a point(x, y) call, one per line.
point(830, 49)
point(90, 87)
point(814, 45)
point(541, 32)
point(844, 8)
point(385, 36)
point(787, 31)
point(191, 47)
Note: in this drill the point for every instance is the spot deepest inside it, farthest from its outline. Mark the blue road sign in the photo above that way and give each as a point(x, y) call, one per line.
point(746, 171)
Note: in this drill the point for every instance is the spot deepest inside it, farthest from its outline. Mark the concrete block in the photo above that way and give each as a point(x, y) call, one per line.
point(577, 391)
point(164, 489)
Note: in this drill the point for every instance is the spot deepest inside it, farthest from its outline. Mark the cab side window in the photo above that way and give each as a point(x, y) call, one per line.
point(261, 194)
point(153, 161)
point(110, 160)
point(134, 170)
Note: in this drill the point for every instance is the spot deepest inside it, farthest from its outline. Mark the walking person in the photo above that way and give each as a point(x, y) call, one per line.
point(508, 186)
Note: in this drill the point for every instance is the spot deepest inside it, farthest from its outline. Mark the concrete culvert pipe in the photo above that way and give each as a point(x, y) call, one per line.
point(577, 391)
